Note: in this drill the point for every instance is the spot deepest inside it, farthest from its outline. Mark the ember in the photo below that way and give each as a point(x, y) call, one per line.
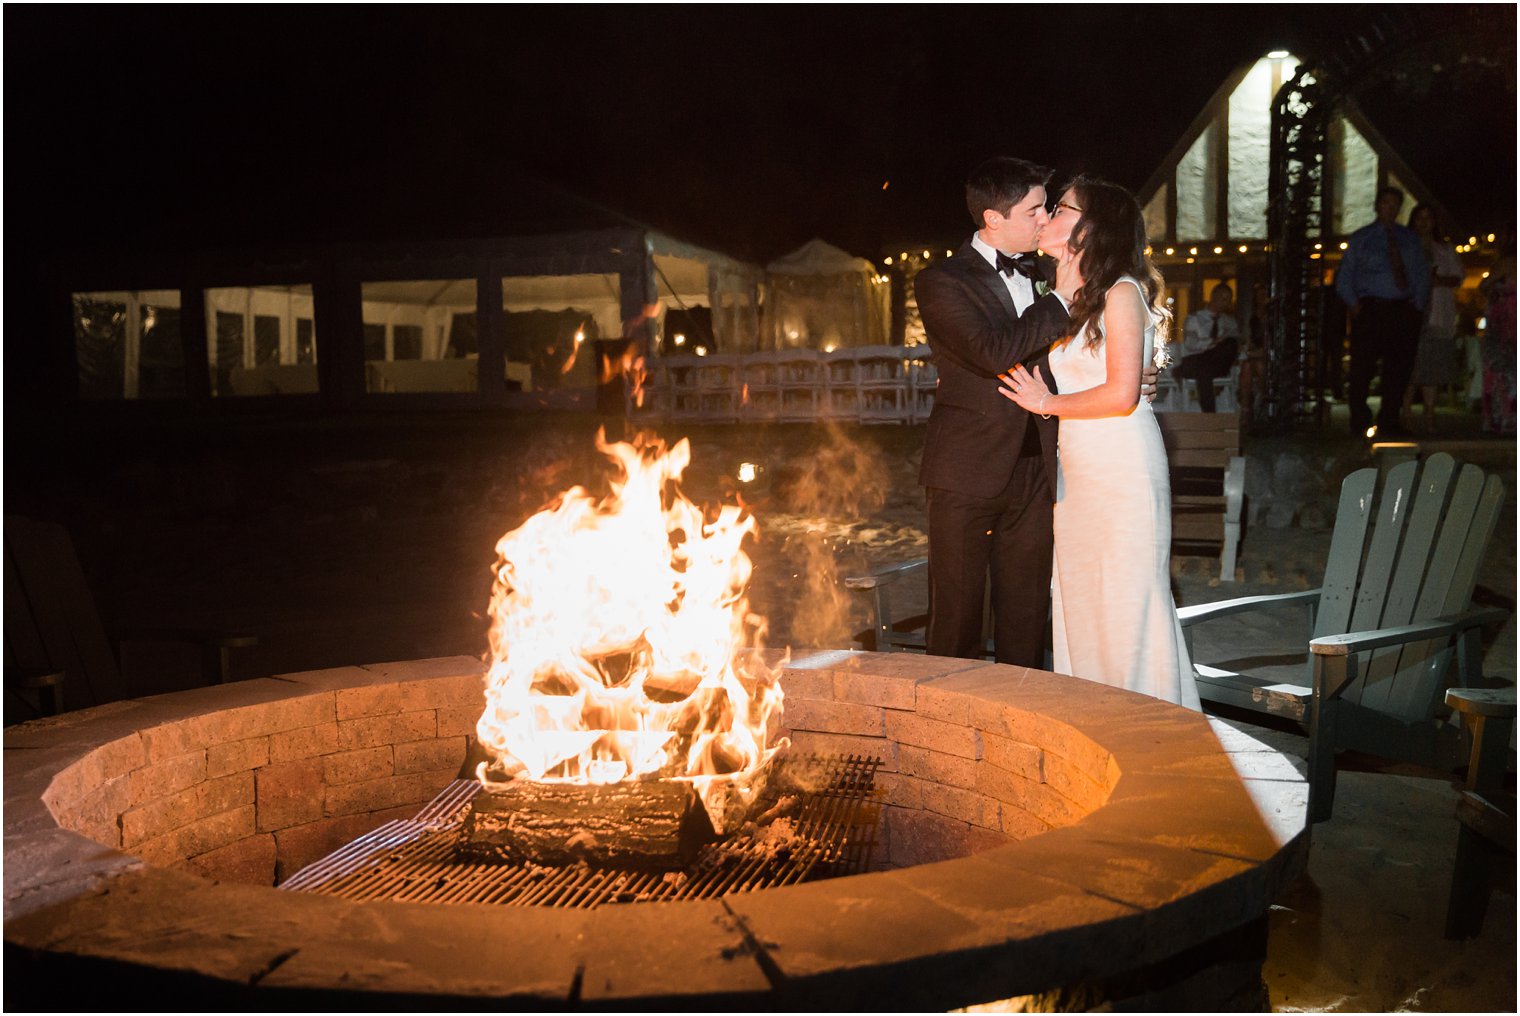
point(622, 643)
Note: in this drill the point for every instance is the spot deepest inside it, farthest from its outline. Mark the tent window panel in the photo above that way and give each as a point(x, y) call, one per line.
point(161, 361)
point(406, 342)
point(464, 338)
point(266, 340)
point(226, 351)
point(687, 329)
point(374, 342)
point(306, 341)
point(557, 346)
point(409, 339)
point(128, 344)
point(252, 350)
point(100, 342)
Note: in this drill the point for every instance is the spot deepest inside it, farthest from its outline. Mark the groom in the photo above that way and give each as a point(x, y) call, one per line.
point(989, 466)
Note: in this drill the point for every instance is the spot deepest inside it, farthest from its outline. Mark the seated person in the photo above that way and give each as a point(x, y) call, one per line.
point(1210, 344)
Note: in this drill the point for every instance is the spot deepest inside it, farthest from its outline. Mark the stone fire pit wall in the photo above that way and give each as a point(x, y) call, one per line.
point(1086, 838)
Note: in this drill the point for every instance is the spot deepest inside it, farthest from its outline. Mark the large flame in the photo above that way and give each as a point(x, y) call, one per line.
point(622, 644)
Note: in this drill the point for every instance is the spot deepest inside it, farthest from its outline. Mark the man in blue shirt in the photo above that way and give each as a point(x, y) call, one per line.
point(1384, 281)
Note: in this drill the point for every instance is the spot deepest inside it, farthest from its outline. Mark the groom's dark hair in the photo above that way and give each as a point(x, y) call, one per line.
point(1000, 183)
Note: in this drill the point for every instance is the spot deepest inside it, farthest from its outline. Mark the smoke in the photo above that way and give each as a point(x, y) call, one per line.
point(825, 494)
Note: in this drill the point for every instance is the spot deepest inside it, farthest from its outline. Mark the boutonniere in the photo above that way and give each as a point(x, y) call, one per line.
point(1041, 288)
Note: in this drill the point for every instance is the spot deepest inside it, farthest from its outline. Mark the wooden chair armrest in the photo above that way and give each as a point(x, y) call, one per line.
point(1482, 701)
point(1436, 628)
point(1200, 612)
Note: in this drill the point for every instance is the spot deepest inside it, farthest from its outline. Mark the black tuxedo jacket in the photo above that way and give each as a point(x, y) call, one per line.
point(975, 434)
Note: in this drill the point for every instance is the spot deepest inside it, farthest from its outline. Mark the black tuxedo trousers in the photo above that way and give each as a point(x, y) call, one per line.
point(989, 466)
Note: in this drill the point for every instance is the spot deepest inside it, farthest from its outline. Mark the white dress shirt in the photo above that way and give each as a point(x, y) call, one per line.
point(1020, 288)
point(1196, 334)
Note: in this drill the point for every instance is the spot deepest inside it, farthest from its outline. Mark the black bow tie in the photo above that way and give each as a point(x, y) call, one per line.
point(1023, 264)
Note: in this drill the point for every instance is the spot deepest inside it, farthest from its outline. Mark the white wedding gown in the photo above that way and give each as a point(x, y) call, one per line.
point(1114, 617)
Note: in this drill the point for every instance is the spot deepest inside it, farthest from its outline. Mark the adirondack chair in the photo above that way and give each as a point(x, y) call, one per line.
point(57, 654)
point(1393, 614)
point(1486, 810)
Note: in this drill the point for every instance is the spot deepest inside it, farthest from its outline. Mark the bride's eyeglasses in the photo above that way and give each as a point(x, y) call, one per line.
point(1066, 205)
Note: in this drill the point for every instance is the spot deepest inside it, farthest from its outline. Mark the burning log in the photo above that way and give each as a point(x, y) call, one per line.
point(644, 824)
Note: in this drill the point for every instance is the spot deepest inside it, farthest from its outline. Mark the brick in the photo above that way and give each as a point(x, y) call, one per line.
point(847, 744)
point(1005, 786)
point(273, 717)
point(249, 861)
point(1052, 807)
point(388, 792)
point(937, 703)
point(199, 837)
point(900, 791)
point(298, 846)
point(97, 814)
point(169, 740)
point(1074, 784)
point(353, 766)
point(108, 762)
point(876, 690)
point(430, 756)
point(236, 756)
point(409, 697)
point(936, 767)
point(169, 777)
point(303, 742)
point(289, 793)
point(921, 837)
point(807, 684)
point(1016, 757)
point(373, 731)
point(160, 817)
point(830, 717)
point(458, 720)
point(950, 738)
point(962, 805)
point(1019, 824)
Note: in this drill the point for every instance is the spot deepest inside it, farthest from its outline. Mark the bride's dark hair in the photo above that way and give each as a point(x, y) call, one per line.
point(1110, 240)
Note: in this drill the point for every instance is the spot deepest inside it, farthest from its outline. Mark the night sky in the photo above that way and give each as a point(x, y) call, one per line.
point(747, 129)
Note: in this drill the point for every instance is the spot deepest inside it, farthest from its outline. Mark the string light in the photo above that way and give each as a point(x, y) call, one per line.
point(1192, 250)
point(1242, 248)
point(1218, 250)
point(1490, 238)
point(926, 254)
point(1170, 251)
point(1344, 245)
point(889, 259)
point(1319, 246)
point(1471, 240)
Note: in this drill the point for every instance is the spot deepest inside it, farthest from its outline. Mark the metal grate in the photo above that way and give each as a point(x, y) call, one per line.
point(833, 831)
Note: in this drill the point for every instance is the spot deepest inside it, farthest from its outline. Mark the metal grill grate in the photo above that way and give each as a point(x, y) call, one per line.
point(833, 832)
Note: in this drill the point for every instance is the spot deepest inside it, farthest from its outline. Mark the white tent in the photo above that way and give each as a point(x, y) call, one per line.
point(821, 297)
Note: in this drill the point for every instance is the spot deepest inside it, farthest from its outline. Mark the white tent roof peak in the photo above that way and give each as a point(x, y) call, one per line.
point(817, 257)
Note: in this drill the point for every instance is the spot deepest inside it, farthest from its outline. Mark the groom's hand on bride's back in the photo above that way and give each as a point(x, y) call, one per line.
point(1148, 375)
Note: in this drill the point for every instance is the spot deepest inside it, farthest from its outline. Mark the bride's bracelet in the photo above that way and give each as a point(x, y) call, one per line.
point(1043, 415)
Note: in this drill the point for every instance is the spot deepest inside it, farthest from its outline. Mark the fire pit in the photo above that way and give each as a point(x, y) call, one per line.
point(1042, 836)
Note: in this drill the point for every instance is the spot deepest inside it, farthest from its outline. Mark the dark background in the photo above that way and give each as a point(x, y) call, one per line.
point(746, 129)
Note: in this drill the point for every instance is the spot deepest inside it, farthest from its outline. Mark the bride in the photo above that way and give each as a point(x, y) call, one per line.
point(1114, 617)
